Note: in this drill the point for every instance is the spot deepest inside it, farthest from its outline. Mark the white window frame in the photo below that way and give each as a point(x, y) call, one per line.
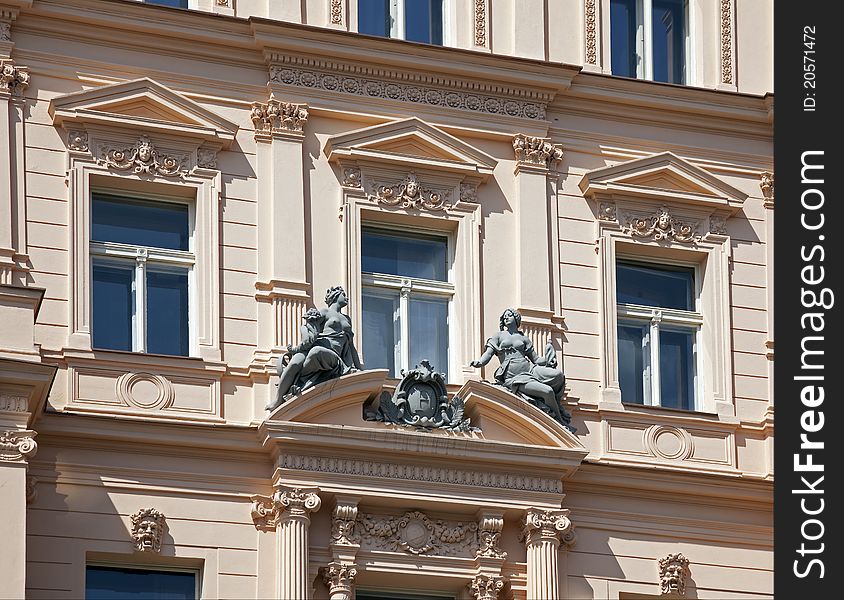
point(397, 24)
point(148, 567)
point(658, 318)
point(123, 254)
point(412, 286)
point(644, 40)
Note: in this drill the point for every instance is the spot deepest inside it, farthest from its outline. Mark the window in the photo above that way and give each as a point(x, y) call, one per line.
point(413, 20)
point(141, 265)
point(658, 330)
point(174, 3)
point(118, 583)
point(648, 39)
point(406, 295)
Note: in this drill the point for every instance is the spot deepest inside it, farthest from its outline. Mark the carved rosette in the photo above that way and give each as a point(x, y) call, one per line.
point(340, 580)
point(546, 526)
point(727, 41)
point(13, 80)
point(284, 504)
point(489, 537)
point(415, 533)
point(344, 525)
point(336, 17)
point(480, 22)
point(351, 177)
point(607, 212)
point(409, 194)
point(276, 116)
point(17, 445)
point(591, 33)
point(673, 572)
point(148, 527)
point(143, 157)
point(766, 183)
point(486, 587)
point(77, 140)
point(536, 151)
point(661, 226)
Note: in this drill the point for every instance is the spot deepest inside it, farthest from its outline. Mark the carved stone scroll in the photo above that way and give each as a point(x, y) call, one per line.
point(17, 445)
point(13, 80)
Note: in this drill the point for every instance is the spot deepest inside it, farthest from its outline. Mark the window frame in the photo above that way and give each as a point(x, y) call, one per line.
point(644, 41)
point(165, 259)
point(397, 21)
point(411, 286)
point(197, 571)
point(659, 318)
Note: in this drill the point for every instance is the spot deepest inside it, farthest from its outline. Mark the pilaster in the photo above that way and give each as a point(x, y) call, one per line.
point(542, 532)
point(14, 79)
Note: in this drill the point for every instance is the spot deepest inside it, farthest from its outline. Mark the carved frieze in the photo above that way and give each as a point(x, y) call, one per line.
point(143, 158)
point(480, 22)
point(336, 16)
point(17, 445)
point(13, 80)
point(591, 32)
point(486, 587)
point(537, 151)
point(276, 116)
point(416, 533)
point(489, 537)
point(673, 572)
point(421, 401)
point(268, 511)
point(409, 193)
point(148, 527)
point(727, 41)
point(414, 89)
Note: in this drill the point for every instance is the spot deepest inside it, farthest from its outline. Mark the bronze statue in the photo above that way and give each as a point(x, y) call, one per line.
point(522, 371)
point(326, 350)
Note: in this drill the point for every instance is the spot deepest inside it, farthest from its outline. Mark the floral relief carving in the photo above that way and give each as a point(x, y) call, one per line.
point(277, 116)
point(726, 41)
point(480, 22)
point(469, 193)
point(77, 140)
point(416, 533)
point(537, 151)
point(661, 226)
point(718, 225)
point(141, 158)
point(673, 572)
point(409, 194)
point(13, 79)
point(486, 587)
point(206, 158)
point(489, 537)
point(17, 445)
point(351, 177)
point(336, 12)
point(607, 212)
point(148, 530)
point(591, 33)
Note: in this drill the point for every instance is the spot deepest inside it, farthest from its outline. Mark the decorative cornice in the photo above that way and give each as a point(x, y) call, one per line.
point(480, 22)
point(13, 80)
point(489, 537)
point(410, 194)
point(547, 526)
point(727, 41)
point(143, 158)
point(673, 572)
point(591, 33)
point(285, 503)
point(276, 116)
point(428, 473)
point(536, 151)
point(486, 587)
point(439, 92)
point(340, 579)
point(767, 184)
point(17, 445)
point(148, 530)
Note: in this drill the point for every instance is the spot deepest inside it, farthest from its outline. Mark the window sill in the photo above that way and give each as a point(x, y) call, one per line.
point(670, 414)
point(135, 361)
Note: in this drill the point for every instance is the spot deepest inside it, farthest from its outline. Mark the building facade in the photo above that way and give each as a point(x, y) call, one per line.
point(181, 184)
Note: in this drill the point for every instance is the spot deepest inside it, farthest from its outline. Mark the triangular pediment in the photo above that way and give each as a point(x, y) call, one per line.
point(142, 104)
point(664, 177)
point(410, 141)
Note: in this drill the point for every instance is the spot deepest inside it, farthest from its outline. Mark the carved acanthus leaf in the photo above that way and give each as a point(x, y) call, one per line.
point(276, 116)
point(344, 525)
point(339, 578)
point(17, 445)
point(536, 151)
point(766, 183)
point(486, 587)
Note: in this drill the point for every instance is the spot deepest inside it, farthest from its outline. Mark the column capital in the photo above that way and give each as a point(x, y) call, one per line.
point(547, 526)
point(13, 80)
point(279, 119)
point(486, 587)
point(284, 505)
point(340, 579)
point(16, 446)
point(534, 152)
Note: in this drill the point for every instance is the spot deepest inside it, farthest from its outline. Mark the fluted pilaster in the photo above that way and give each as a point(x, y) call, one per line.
point(542, 533)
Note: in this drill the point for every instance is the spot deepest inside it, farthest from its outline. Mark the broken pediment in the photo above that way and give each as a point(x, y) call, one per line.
point(665, 178)
point(411, 142)
point(142, 104)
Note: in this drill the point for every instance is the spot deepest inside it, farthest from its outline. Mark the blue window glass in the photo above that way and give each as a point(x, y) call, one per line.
point(429, 332)
point(380, 329)
point(666, 287)
point(669, 41)
point(174, 3)
point(423, 21)
point(114, 583)
point(409, 256)
point(676, 368)
point(631, 362)
point(167, 312)
point(112, 306)
point(374, 17)
point(623, 37)
point(140, 223)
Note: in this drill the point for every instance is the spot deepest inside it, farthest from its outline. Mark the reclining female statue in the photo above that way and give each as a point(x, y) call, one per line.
point(325, 352)
point(522, 371)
